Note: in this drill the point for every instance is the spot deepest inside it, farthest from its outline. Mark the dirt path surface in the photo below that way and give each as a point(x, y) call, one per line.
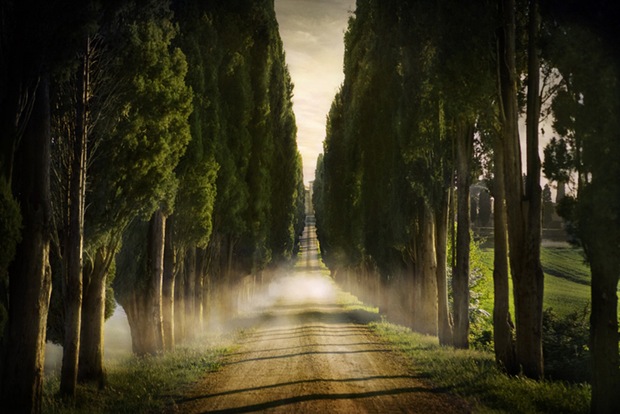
point(307, 354)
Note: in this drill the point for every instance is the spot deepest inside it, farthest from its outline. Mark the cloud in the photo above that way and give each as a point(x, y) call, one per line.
point(312, 32)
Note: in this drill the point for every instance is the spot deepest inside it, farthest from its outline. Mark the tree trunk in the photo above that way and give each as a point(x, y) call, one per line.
point(523, 209)
point(157, 238)
point(29, 273)
point(460, 278)
point(190, 293)
point(425, 312)
point(144, 305)
point(502, 322)
point(167, 293)
point(90, 368)
point(604, 334)
point(179, 301)
point(441, 243)
point(72, 281)
point(200, 289)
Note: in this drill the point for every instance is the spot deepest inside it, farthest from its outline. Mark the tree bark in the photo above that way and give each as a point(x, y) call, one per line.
point(144, 307)
point(157, 240)
point(460, 278)
point(75, 236)
point(90, 368)
point(441, 241)
point(179, 302)
point(167, 300)
point(503, 335)
point(424, 306)
point(522, 208)
point(190, 293)
point(29, 273)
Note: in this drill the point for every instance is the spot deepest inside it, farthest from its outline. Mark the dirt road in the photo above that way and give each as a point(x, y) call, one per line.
point(307, 354)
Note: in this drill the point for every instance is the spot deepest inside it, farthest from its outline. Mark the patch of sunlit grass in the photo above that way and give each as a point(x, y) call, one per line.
point(475, 376)
point(350, 302)
point(142, 384)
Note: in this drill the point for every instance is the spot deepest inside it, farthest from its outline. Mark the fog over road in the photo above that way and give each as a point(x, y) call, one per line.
point(308, 354)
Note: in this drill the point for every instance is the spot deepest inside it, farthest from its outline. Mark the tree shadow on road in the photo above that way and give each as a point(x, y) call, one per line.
point(317, 396)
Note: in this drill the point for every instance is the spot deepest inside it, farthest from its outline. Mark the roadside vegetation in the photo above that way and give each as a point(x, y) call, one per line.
point(474, 375)
point(566, 314)
point(143, 384)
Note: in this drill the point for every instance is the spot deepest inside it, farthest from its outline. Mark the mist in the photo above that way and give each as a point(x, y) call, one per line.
point(116, 345)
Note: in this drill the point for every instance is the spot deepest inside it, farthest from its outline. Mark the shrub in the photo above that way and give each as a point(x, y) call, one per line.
point(565, 345)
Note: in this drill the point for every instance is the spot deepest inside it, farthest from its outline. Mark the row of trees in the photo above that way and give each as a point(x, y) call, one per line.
point(433, 91)
point(148, 156)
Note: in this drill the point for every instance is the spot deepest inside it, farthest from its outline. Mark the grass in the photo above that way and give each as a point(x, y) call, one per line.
point(474, 376)
point(567, 280)
point(141, 384)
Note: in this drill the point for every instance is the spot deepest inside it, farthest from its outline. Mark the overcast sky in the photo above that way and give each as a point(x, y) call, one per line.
point(313, 33)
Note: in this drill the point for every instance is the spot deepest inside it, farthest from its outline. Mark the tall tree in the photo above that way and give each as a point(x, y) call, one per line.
point(29, 273)
point(523, 204)
point(588, 148)
point(160, 104)
point(27, 41)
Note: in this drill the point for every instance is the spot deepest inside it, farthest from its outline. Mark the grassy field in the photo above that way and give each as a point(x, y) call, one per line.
point(567, 279)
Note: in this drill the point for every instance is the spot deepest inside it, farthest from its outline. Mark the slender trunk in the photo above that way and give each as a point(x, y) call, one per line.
point(200, 289)
point(529, 348)
point(157, 238)
point(167, 300)
point(29, 273)
point(460, 278)
point(90, 368)
point(190, 293)
point(424, 306)
point(503, 334)
point(441, 242)
point(75, 239)
point(523, 209)
point(179, 300)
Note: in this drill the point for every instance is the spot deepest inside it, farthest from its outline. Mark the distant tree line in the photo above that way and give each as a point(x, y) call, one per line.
point(148, 156)
point(432, 93)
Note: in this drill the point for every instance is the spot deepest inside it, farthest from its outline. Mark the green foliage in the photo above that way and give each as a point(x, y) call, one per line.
point(475, 376)
point(148, 130)
point(243, 118)
point(140, 384)
point(565, 345)
point(558, 160)
point(412, 70)
point(131, 261)
point(194, 204)
point(148, 138)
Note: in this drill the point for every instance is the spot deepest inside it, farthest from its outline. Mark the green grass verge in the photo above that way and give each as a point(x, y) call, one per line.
point(141, 384)
point(567, 280)
point(474, 376)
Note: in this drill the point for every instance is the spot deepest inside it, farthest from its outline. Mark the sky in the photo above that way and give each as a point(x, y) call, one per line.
point(313, 35)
